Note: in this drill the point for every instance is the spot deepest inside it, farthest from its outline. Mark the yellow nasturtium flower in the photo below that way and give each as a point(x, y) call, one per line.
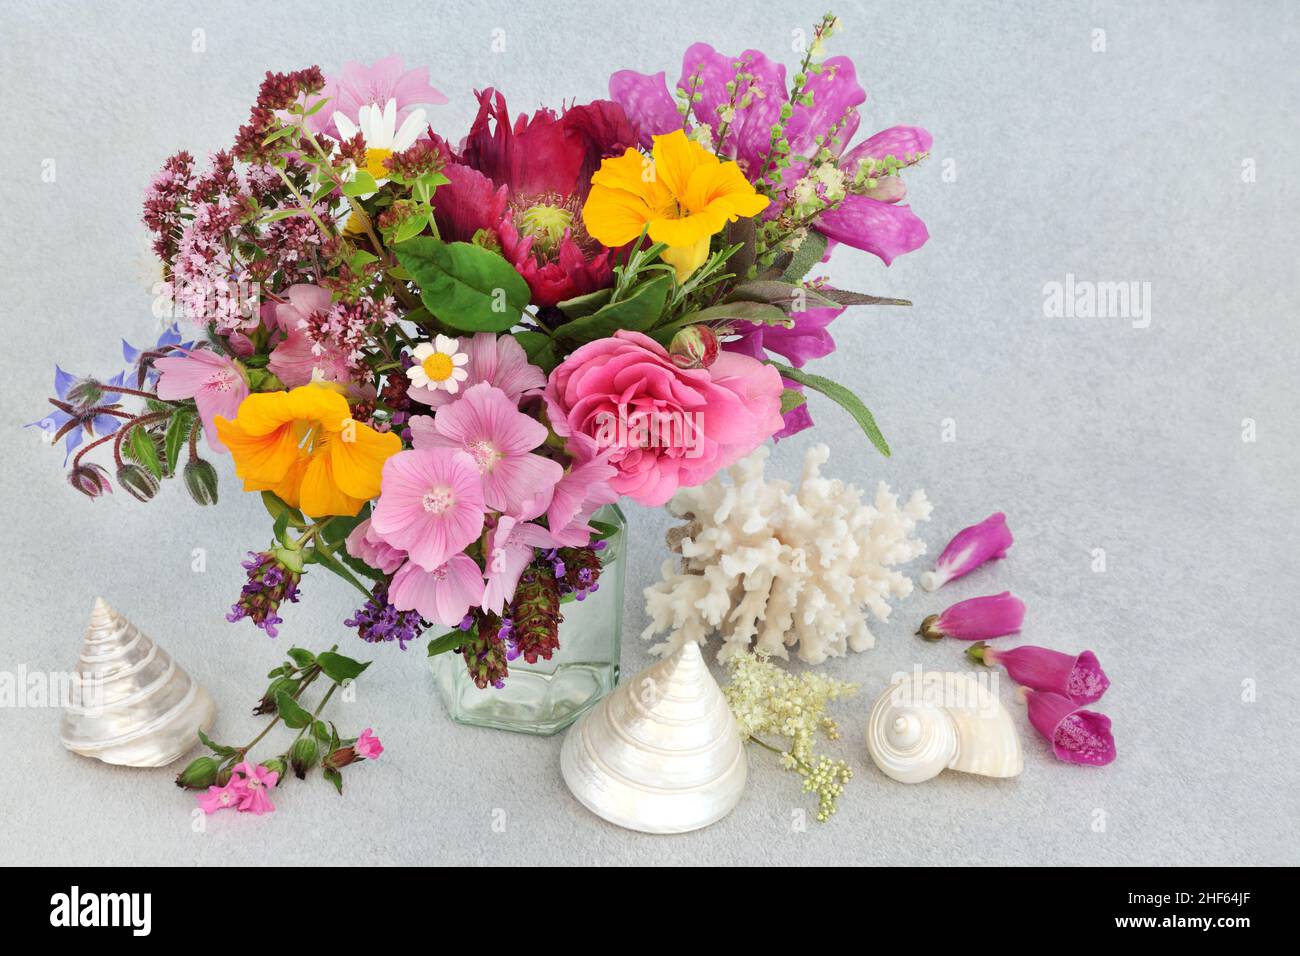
point(682, 191)
point(304, 445)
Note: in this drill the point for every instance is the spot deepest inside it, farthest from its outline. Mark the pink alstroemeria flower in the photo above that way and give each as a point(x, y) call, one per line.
point(970, 548)
point(214, 381)
point(223, 798)
point(368, 746)
point(430, 504)
point(1076, 676)
point(489, 427)
point(977, 619)
point(444, 595)
point(510, 548)
point(1076, 735)
point(257, 782)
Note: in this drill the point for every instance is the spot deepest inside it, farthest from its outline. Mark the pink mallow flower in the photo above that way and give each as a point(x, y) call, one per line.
point(584, 489)
point(368, 746)
point(365, 546)
point(510, 549)
point(430, 504)
point(257, 782)
point(977, 619)
point(970, 548)
point(1076, 676)
point(214, 381)
point(667, 427)
point(1077, 736)
point(444, 595)
point(497, 360)
point(488, 426)
point(357, 85)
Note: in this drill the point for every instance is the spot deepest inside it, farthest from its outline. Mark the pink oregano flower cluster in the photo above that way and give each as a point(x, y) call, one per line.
point(1054, 685)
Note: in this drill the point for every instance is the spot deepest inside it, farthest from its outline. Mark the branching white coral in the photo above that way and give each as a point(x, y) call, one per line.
point(775, 567)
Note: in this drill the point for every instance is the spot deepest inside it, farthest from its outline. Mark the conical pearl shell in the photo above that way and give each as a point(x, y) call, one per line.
point(662, 753)
point(925, 723)
point(135, 705)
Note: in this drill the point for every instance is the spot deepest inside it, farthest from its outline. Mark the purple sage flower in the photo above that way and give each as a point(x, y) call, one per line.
point(978, 619)
point(969, 548)
point(1078, 677)
point(377, 620)
point(270, 583)
point(1076, 735)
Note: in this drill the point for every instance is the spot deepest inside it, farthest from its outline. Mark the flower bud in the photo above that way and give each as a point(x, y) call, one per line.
point(302, 755)
point(90, 479)
point(341, 758)
point(978, 619)
point(138, 482)
point(695, 346)
point(199, 775)
point(275, 765)
point(201, 481)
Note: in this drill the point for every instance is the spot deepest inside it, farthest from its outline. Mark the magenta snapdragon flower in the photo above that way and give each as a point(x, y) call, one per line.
point(970, 548)
point(1076, 735)
point(977, 619)
point(1076, 676)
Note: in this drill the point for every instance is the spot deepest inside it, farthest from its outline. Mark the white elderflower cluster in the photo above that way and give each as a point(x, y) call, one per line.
point(771, 567)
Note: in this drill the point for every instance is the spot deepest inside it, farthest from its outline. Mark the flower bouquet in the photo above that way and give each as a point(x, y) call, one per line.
point(436, 360)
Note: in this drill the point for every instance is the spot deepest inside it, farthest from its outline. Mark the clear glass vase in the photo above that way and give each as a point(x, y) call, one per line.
point(546, 697)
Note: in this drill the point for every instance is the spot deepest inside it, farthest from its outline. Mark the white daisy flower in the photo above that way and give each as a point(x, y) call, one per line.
point(378, 127)
point(439, 364)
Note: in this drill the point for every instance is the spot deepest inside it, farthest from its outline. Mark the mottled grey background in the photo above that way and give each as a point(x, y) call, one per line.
point(1123, 165)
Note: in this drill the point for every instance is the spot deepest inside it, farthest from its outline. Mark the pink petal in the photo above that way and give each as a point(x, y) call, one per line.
point(443, 596)
point(647, 102)
point(884, 229)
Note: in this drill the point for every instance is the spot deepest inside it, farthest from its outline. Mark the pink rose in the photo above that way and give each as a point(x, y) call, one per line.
point(666, 427)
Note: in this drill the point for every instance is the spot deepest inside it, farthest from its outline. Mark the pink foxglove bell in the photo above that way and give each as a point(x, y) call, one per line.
point(1076, 735)
point(977, 619)
point(1076, 676)
point(970, 548)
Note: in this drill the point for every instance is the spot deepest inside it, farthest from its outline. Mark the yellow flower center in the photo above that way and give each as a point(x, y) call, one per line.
point(375, 162)
point(437, 366)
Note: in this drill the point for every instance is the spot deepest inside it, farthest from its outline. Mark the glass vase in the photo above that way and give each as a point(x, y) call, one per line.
point(546, 697)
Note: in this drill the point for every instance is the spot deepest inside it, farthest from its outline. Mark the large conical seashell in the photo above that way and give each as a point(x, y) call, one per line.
point(131, 704)
point(662, 753)
point(925, 723)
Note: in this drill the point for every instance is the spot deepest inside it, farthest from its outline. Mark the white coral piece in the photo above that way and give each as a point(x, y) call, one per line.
point(770, 567)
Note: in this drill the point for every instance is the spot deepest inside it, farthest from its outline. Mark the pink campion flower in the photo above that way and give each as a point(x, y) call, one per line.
point(430, 504)
point(1076, 676)
point(970, 548)
point(667, 427)
point(496, 359)
point(214, 381)
point(357, 85)
point(510, 548)
point(365, 546)
point(257, 782)
point(368, 745)
point(1077, 736)
point(488, 426)
point(223, 798)
point(583, 490)
point(444, 595)
point(976, 619)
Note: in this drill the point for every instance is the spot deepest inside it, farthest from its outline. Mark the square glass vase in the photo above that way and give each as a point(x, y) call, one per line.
point(546, 697)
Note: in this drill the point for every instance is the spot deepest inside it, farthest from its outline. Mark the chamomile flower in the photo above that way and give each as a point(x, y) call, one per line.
point(378, 126)
point(439, 364)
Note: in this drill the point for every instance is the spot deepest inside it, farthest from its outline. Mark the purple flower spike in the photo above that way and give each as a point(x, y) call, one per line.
point(970, 548)
point(1079, 678)
point(1077, 736)
point(978, 619)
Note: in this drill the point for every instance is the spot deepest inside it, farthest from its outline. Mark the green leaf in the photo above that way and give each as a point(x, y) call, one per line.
point(282, 214)
point(603, 530)
point(291, 712)
point(411, 228)
point(274, 506)
point(143, 451)
point(361, 184)
point(333, 776)
point(845, 297)
point(341, 526)
point(339, 668)
point(808, 254)
point(280, 133)
point(579, 306)
point(302, 657)
point(465, 286)
point(448, 642)
point(221, 750)
point(787, 295)
point(320, 731)
point(280, 530)
point(178, 433)
point(321, 554)
point(637, 313)
point(792, 398)
point(540, 349)
point(846, 399)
